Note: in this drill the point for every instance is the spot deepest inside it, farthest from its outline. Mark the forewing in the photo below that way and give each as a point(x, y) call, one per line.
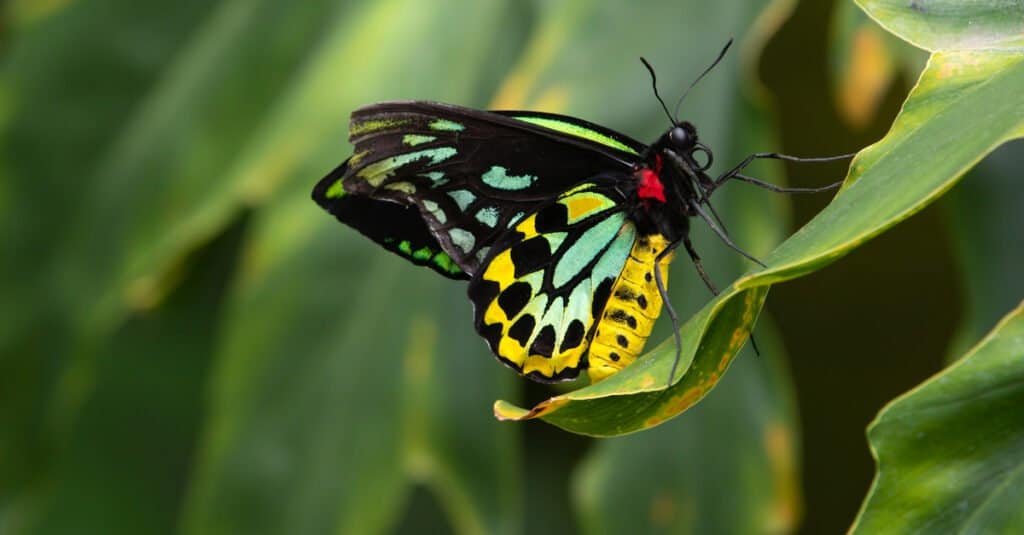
point(540, 292)
point(469, 174)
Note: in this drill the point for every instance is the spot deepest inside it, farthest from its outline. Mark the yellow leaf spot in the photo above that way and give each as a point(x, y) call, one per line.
point(870, 70)
point(419, 355)
point(663, 510)
point(783, 515)
point(675, 405)
point(553, 100)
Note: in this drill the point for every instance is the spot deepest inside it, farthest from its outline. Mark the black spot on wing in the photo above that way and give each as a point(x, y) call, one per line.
point(573, 336)
point(481, 292)
point(491, 333)
point(514, 298)
point(601, 294)
point(530, 255)
point(522, 329)
point(544, 344)
point(554, 217)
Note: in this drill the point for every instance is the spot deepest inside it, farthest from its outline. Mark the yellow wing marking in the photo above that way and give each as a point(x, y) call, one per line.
point(583, 205)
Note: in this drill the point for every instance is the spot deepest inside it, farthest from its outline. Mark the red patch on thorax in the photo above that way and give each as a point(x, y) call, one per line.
point(651, 187)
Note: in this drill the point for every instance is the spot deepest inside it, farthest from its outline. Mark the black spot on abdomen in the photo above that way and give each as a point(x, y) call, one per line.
point(621, 316)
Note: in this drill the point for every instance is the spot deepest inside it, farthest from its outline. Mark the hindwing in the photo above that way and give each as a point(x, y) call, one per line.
point(439, 184)
point(544, 286)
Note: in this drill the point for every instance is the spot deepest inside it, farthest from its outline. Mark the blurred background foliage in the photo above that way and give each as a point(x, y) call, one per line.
point(188, 344)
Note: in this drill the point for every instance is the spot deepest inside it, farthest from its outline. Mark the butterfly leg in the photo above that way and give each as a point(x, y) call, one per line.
point(735, 172)
point(695, 258)
point(699, 183)
point(707, 282)
point(659, 279)
point(714, 214)
point(721, 234)
point(779, 189)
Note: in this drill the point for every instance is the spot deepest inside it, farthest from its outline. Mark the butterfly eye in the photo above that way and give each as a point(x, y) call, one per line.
point(679, 137)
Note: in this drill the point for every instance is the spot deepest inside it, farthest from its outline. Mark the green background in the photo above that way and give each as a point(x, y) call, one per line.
point(187, 344)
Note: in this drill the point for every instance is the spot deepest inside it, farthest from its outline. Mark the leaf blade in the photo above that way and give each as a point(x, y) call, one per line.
point(948, 451)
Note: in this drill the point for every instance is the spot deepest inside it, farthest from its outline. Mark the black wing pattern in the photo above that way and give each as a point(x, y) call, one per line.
point(438, 184)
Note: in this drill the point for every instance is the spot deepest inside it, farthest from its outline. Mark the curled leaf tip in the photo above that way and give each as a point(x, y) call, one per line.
point(506, 411)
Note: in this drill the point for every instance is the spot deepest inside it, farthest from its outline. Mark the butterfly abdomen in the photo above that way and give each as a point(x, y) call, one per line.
point(632, 309)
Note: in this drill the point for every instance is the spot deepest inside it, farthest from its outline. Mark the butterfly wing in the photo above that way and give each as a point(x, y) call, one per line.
point(562, 275)
point(399, 228)
point(451, 180)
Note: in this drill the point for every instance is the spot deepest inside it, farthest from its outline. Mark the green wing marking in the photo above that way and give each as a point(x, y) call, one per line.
point(574, 128)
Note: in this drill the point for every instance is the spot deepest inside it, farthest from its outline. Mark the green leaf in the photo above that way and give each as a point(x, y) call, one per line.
point(134, 190)
point(951, 24)
point(974, 91)
point(325, 401)
point(283, 374)
point(64, 96)
point(119, 465)
point(948, 452)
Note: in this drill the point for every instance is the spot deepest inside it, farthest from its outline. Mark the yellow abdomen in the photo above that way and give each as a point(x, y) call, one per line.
point(632, 309)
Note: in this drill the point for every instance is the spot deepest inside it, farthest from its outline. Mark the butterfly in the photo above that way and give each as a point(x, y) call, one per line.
point(563, 228)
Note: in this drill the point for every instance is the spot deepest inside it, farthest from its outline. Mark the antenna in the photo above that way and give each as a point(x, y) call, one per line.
point(719, 58)
point(654, 84)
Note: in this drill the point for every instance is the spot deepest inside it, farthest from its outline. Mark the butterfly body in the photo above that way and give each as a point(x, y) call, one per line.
point(562, 227)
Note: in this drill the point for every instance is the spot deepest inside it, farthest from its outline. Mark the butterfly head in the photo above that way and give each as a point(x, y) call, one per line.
point(682, 138)
point(682, 141)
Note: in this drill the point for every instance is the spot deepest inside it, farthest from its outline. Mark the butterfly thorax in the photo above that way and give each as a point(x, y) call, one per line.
point(667, 181)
